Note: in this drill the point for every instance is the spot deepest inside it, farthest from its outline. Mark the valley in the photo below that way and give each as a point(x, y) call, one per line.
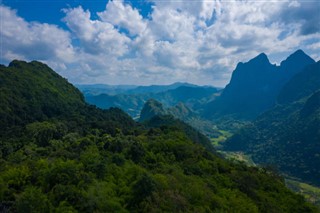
point(263, 127)
point(61, 151)
point(201, 106)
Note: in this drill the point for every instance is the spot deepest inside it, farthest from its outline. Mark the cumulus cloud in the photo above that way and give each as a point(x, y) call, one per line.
point(196, 41)
point(95, 36)
point(124, 16)
point(32, 41)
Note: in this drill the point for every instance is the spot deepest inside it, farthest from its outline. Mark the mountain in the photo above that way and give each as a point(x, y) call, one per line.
point(158, 88)
point(190, 95)
point(301, 85)
point(86, 159)
point(255, 85)
point(186, 94)
point(97, 89)
point(150, 109)
point(288, 136)
point(33, 92)
point(54, 96)
point(294, 64)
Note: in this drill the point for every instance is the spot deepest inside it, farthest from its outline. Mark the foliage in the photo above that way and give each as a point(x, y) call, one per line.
point(92, 160)
point(288, 136)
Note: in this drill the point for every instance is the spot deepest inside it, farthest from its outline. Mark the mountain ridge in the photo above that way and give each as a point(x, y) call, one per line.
point(255, 85)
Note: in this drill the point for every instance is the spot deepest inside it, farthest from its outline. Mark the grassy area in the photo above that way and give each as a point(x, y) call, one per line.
point(238, 156)
point(311, 193)
point(224, 135)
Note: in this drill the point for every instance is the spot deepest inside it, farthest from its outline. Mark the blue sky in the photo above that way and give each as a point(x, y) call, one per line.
point(155, 41)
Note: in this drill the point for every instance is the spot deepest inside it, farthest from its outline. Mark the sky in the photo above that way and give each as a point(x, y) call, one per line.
point(155, 41)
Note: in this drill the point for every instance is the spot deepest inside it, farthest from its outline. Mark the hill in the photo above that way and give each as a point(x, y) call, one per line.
point(92, 160)
point(97, 89)
point(288, 136)
point(23, 102)
point(180, 112)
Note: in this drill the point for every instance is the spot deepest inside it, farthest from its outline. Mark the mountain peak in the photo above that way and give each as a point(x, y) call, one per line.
point(261, 58)
point(150, 109)
point(297, 57)
point(16, 63)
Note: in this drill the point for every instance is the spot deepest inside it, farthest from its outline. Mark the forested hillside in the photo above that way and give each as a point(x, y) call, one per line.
point(288, 135)
point(76, 158)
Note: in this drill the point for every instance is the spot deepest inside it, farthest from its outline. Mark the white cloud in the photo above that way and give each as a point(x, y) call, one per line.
point(32, 41)
point(195, 41)
point(122, 15)
point(96, 37)
point(294, 4)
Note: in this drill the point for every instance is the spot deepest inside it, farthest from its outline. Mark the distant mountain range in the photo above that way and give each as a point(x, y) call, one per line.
point(253, 89)
point(132, 100)
point(96, 89)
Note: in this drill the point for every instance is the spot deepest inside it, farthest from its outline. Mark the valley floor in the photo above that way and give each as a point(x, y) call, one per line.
point(310, 192)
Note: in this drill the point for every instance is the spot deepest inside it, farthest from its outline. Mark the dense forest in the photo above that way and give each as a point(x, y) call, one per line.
point(59, 154)
point(287, 136)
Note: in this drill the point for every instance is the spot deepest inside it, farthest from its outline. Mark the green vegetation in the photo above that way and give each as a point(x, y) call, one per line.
point(82, 159)
point(288, 136)
point(238, 156)
point(311, 193)
point(217, 142)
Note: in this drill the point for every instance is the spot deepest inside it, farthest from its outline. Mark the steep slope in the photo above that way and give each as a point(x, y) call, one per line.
point(99, 161)
point(301, 85)
point(33, 92)
point(18, 91)
point(288, 135)
point(255, 85)
point(294, 64)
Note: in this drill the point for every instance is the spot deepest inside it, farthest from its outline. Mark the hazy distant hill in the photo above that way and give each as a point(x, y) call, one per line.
point(97, 89)
point(255, 85)
point(132, 103)
point(157, 88)
point(288, 135)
